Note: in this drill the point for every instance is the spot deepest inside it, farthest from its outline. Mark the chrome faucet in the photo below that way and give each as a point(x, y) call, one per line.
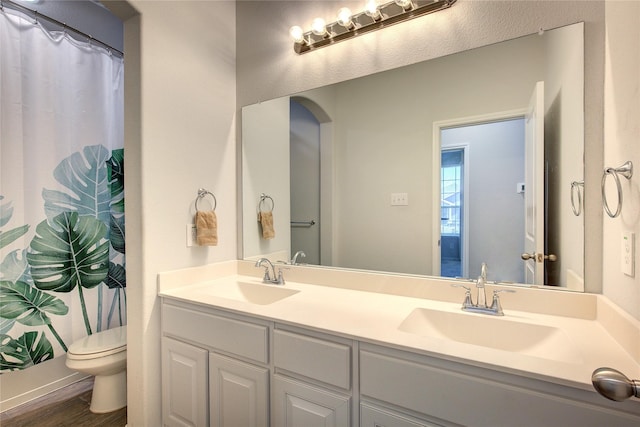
point(300, 254)
point(481, 305)
point(482, 280)
point(278, 279)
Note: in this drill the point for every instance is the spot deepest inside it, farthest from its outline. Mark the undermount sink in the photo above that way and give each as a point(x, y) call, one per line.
point(500, 333)
point(255, 293)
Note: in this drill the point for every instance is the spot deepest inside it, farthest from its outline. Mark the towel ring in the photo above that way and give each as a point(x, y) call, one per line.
point(264, 197)
point(575, 188)
point(202, 193)
point(626, 170)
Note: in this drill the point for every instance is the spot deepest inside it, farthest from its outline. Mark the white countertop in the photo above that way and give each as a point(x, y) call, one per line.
point(596, 332)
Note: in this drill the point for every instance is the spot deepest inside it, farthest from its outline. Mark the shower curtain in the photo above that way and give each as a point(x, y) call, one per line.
point(62, 252)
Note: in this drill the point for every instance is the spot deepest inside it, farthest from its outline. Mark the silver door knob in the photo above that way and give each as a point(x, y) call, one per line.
point(614, 385)
point(538, 257)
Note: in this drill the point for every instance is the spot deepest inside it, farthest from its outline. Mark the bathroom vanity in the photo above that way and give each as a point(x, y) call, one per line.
point(349, 348)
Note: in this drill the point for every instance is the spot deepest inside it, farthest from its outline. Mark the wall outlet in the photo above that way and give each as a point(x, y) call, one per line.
point(628, 253)
point(191, 235)
point(399, 199)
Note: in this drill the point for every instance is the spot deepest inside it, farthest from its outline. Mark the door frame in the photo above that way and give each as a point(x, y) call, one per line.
point(438, 126)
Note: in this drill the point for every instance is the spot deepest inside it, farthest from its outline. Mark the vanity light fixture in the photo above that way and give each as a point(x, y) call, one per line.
point(373, 17)
point(319, 27)
point(297, 34)
point(372, 10)
point(344, 18)
point(405, 4)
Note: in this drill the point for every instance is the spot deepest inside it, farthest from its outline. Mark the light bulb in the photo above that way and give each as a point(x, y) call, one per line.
point(371, 10)
point(297, 34)
point(344, 17)
point(405, 4)
point(318, 27)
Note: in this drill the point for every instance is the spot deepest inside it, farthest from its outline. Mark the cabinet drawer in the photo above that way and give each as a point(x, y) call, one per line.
point(470, 399)
point(324, 361)
point(228, 335)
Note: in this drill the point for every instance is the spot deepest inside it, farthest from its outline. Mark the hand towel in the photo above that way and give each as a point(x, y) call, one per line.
point(206, 228)
point(266, 220)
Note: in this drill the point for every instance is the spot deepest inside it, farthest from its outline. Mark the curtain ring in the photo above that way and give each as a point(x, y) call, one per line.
point(575, 185)
point(263, 197)
point(202, 193)
point(626, 170)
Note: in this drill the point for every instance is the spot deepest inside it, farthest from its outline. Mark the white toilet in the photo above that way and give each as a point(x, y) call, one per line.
point(103, 355)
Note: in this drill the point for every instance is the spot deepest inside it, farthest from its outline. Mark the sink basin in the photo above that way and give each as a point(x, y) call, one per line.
point(255, 293)
point(500, 333)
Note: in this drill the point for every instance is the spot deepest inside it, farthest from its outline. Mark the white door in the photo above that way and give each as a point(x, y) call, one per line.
point(534, 189)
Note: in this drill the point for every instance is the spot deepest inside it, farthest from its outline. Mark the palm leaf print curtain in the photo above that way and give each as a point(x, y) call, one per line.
point(62, 252)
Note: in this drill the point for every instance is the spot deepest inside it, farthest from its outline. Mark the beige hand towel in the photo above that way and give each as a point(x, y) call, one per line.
point(266, 220)
point(206, 228)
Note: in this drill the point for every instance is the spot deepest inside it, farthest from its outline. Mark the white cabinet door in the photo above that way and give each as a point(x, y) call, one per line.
point(296, 404)
point(239, 393)
point(184, 384)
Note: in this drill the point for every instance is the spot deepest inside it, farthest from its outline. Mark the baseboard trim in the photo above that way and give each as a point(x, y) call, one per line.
point(19, 387)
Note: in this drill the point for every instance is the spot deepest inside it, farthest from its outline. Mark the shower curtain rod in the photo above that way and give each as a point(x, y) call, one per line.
point(37, 15)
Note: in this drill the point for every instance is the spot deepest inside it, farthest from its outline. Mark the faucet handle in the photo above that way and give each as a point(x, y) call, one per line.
point(468, 302)
point(496, 307)
point(265, 263)
point(280, 279)
point(266, 277)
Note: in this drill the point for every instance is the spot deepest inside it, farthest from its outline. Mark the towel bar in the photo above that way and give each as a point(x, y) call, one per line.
point(310, 223)
point(201, 194)
point(576, 188)
point(263, 198)
point(626, 170)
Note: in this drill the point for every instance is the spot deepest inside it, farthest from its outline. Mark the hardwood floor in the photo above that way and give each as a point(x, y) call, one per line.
point(65, 407)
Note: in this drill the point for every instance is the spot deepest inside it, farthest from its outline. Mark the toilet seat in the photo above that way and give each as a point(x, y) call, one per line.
point(101, 344)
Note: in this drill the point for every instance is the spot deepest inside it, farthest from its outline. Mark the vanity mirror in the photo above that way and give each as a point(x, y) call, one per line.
point(421, 169)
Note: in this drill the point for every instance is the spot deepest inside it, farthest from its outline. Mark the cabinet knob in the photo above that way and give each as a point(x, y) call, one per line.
point(614, 385)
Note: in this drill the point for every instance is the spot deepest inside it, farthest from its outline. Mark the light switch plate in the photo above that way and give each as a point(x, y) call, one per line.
point(399, 199)
point(627, 260)
point(191, 235)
